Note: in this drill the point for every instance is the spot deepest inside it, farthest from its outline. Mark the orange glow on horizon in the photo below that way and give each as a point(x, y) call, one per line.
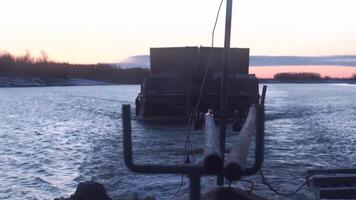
point(332, 71)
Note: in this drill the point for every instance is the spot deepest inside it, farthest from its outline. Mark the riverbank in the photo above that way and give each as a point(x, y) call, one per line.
point(42, 82)
point(6, 81)
point(28, 71)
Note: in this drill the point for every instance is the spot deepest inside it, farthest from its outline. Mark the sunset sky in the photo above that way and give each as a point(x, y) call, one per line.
point(94, 31)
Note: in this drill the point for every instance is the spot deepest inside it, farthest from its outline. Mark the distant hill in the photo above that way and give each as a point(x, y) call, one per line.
point(143, 61)
point(340, 60)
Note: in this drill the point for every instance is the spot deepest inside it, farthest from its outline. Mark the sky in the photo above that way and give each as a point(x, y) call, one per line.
point(92, 31)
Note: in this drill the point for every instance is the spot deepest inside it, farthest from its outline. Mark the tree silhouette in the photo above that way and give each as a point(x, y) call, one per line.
point(303, 76)
point(29, 66)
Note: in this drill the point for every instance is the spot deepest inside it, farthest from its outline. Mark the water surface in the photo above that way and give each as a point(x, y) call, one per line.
point(54, 137)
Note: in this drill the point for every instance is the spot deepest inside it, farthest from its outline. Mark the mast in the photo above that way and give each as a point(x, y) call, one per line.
point(224, 83)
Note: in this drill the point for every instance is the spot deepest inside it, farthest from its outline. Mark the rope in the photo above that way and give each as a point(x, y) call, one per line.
point(251, 183)
point(209, 58)
point(180, 186)
point(187, 147)
point(195, 113)
point(188, 144)
point(265, 182)
point(290, 194)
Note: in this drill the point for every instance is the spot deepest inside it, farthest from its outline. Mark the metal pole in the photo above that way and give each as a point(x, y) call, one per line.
point(194, 187)
point(224, 83)
point(263, 97)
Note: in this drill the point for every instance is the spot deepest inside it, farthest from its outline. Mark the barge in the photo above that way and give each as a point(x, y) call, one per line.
point(186, 80)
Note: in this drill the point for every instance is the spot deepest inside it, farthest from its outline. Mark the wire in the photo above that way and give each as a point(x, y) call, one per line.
point(188, 144)
point(180, 186)
point(251, 183)
point(265, 182)
point(209, 58)
point(195, 113)
point(187, 148)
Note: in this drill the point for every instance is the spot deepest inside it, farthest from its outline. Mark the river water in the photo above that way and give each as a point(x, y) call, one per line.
point(51, 138)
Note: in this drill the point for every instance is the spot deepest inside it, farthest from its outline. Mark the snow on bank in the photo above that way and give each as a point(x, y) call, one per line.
point(37, 82)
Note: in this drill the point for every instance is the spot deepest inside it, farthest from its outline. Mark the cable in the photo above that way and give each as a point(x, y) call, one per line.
point(209, 58)
point(265, 182)
point(188, 144)
point(195, 113)
point(250, 182)
point(180, 186)
point(187, 148)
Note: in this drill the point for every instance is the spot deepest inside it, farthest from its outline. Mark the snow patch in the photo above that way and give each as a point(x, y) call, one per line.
point(36, 82)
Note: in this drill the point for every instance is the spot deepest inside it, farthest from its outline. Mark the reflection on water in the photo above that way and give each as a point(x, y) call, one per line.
point(54, 137)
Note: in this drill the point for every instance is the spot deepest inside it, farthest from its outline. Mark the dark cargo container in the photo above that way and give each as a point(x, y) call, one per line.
point(172, 91)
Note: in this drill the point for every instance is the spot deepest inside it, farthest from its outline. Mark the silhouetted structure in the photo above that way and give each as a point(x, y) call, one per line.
point(186, 79)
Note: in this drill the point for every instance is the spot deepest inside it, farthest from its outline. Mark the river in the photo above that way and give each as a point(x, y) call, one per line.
point(54, 137)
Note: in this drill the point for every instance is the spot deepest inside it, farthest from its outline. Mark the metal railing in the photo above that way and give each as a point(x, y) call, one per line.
point(195, 172)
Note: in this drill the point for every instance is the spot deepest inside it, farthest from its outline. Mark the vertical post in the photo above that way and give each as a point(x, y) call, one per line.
point(260, 134)
point(224, 83)
point(194, 187)
point(263, 96)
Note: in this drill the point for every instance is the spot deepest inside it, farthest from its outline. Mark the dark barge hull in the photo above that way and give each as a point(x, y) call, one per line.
point(172, 91)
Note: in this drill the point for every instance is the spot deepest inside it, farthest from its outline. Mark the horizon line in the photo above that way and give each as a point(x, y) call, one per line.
point(266, 60)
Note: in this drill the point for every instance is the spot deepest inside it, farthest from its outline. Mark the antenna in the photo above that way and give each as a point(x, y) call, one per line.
point(225, 84)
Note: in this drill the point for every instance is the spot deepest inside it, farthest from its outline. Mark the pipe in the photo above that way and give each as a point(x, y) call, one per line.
point(213, 161)
point(235, 165)
point(259, 143)
point(260, 136)
point(152, 169)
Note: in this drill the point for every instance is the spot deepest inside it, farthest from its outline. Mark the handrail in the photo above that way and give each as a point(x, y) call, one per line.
point(152, 169)
point(195, 172)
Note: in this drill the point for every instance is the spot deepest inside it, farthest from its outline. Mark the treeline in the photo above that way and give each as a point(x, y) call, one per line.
point(41, 67)
point(306, 76)
point(353, 77)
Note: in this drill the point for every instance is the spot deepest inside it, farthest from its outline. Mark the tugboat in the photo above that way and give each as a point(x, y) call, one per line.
point(187, 80)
